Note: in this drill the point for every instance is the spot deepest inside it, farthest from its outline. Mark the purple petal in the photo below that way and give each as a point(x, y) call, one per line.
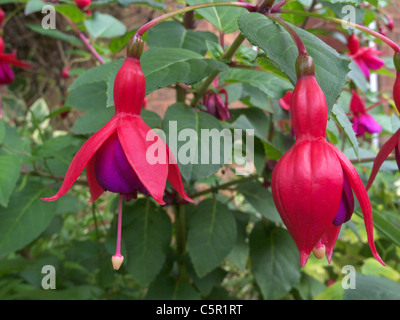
point(346, 207)
point(113, 171)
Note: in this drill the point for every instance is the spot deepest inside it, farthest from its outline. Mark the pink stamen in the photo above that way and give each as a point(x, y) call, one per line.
point(117, 258)
point(118, 250)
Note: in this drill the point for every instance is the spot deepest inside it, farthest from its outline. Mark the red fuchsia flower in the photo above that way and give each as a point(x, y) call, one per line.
point(215, 105)
point(365, 57)
point(116, 157)
point(285, 101)
point(312, 183)
point(6, 61)
point(82, 4)
point(362, 121)
point(393, 144)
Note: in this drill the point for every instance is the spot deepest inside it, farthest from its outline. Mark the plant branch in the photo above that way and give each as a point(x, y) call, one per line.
point(224, 186)
point(226, 56)
point(375, 34)
point(169, 15)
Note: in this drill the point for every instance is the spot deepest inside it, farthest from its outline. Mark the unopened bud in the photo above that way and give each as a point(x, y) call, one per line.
point(135, 47)
point(319, 251)
point(305, 65)
point(117, 261)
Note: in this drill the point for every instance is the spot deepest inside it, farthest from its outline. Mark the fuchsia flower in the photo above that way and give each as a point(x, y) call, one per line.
point(362, 121)
point(365, 57)
point(285, 101)
point(6, 61)
point(116, 156)
point(65, 72)
point(215, 105)
point(312, 183)
point(82, 4)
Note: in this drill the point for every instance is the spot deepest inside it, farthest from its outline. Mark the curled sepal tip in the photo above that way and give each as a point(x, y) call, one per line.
point(305, 65)
point(135, 47)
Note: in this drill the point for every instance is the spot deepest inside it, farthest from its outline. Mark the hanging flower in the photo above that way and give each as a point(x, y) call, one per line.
point(312, 183)
point(82, 4)
point(285, 101)
point(365, 57)
point(116, 158)
point(6, 61)
point(362, 121)
point(215, 105)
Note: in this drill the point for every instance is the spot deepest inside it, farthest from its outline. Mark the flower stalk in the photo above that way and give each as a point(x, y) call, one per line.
point(375, 34)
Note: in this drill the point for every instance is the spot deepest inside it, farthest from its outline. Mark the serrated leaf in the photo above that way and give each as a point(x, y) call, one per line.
point(331, 68)
point(163, 67)
point(211, 235)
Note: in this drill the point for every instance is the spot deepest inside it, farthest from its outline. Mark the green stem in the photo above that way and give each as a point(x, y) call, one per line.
point(226, 56)
point(181, 237)
point(224, 186)
point(375, 34)
point(169, 15)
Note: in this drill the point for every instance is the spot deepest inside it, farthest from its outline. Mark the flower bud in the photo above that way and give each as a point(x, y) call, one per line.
point(81, 4)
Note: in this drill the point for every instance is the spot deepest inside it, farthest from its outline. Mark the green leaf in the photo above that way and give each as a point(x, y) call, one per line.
point(25, 218)
point(331, 68)
point(163, 67)
point(275, 261)
point(167, 288)
point(344, 123)
point(104, 26)
point(211, 235)
point(2, 130)
point(223, 18)
point(171, 34)
point(198, 155)
point(271, 85)
point(149, 3)
point(56, 34)
point(261, 199)
point(384, 226)
point(33, 6)
point(147, 237)
point(373, 288)
point(74, 13)
point(10, 168)
point(250, 118)
point(117, 44)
